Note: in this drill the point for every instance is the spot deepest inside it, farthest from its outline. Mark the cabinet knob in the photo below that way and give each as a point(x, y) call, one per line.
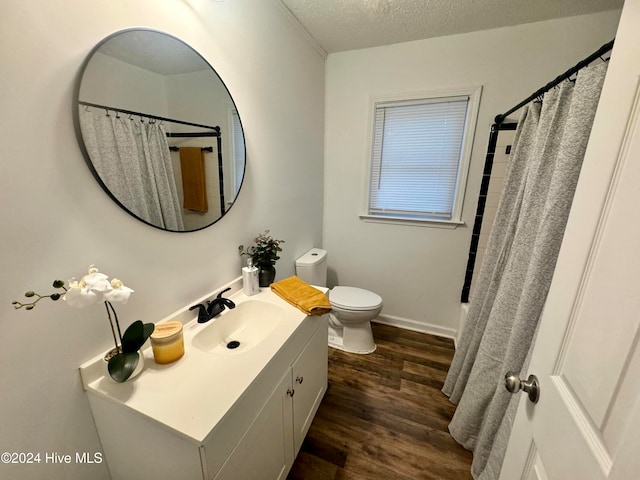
point(299, 380)
point(291, 392)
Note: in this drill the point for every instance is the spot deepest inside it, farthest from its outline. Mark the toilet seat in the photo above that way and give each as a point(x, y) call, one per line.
point(354, 299)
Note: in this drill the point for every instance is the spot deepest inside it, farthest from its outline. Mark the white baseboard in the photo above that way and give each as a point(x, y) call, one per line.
point(416, 326)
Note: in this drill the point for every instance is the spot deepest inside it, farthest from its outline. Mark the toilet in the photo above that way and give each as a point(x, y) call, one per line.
point(352, 309)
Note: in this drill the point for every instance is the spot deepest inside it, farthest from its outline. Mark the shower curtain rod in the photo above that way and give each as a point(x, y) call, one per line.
point(146, 115)
point(578, 66)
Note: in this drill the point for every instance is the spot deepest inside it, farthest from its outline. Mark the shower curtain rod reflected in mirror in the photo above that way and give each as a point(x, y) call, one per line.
point(195, 134)
point(204, 149)
point(560, 78)
point(216, 130)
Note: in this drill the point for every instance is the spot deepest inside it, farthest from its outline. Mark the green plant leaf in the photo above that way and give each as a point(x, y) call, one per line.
point(135, 335)
point(122, 365)
point(148, 330)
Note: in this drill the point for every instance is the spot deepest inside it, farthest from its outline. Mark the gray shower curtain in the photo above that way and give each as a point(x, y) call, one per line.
point(132, 159)
point(516, 273)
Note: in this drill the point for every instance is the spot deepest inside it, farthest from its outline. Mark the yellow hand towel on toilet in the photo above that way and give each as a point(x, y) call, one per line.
point(302, 296)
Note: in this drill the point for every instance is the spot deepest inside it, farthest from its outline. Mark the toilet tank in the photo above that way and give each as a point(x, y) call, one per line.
point(312, 267)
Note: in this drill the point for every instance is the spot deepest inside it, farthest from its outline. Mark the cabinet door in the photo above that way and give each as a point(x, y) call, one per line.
point(309, 383)
point(265, 452)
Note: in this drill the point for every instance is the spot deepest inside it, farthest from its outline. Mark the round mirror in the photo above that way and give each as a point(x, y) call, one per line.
point(159, 130)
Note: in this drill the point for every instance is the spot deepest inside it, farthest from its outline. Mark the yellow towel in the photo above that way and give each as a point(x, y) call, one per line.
point(193, 179)
point(302, 296)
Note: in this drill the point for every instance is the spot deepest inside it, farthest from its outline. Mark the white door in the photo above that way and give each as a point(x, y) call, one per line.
point(586, 424)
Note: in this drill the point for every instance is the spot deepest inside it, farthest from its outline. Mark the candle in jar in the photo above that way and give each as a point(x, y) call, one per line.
point(167, 342)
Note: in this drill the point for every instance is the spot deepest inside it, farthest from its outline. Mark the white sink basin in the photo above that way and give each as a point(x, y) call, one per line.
point(239, 329)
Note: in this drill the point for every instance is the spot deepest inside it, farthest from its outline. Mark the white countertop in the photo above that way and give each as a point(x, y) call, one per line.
point(193, 394)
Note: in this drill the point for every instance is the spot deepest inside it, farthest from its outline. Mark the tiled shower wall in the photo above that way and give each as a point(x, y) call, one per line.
point(495, 170)
point(498, 172)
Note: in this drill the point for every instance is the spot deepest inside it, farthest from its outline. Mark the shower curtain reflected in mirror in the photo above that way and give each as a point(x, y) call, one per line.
point(131, 157)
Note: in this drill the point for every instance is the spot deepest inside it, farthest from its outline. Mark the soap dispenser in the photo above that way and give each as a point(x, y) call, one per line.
point(250, 278)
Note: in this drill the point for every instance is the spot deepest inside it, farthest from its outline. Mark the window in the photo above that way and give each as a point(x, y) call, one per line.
point(419, 157)
point(238, 152)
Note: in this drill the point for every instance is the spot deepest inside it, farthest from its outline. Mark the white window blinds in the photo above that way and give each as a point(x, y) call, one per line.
point(416, 157)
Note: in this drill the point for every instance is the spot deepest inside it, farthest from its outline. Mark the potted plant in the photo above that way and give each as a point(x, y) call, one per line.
point(264, 253)
point(125, 360)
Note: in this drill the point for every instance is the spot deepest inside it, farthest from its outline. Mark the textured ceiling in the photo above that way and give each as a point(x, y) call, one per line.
point(338, 25)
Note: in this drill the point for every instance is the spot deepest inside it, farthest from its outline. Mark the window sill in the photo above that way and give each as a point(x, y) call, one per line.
point(416, 222)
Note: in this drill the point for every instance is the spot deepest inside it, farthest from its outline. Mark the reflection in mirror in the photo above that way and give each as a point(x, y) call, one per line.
point(160, 130)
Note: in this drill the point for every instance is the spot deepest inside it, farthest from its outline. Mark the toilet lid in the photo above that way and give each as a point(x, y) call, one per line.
point(352, 298)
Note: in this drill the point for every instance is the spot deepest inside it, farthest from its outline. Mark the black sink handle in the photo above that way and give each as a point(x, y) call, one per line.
point(225, 301)
point(223, 291)
point(203, 315)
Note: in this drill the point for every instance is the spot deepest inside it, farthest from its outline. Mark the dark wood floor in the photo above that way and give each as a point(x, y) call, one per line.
point(384, 416)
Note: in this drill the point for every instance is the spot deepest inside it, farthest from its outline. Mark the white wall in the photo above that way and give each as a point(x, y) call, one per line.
point(211, 109)
point(56, 220)
point(130, 87)
point(419, 271)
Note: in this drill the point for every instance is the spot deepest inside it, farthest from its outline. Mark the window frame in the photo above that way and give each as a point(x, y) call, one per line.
point(473, 93)
point(237, 175)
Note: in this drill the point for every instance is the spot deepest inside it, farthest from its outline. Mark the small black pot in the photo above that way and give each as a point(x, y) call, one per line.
point(266, 275)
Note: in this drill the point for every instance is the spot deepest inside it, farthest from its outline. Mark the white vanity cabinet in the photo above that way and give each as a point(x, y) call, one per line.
point(266, 448)
point(256, 437)
point(269, 446)
point(309, 384)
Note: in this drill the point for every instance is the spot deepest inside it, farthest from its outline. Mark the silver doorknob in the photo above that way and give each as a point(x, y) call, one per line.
point(531, 385)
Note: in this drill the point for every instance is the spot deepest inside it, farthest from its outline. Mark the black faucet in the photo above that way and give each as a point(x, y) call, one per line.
point(218, 304)
point(213, 307)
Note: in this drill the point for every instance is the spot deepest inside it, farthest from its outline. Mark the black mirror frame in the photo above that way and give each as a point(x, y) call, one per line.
point(80, 138)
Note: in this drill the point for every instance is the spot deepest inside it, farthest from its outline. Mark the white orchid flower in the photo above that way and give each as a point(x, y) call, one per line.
point(96, 281)
point(80, 295)
point(118, 293)
point(93, 288)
